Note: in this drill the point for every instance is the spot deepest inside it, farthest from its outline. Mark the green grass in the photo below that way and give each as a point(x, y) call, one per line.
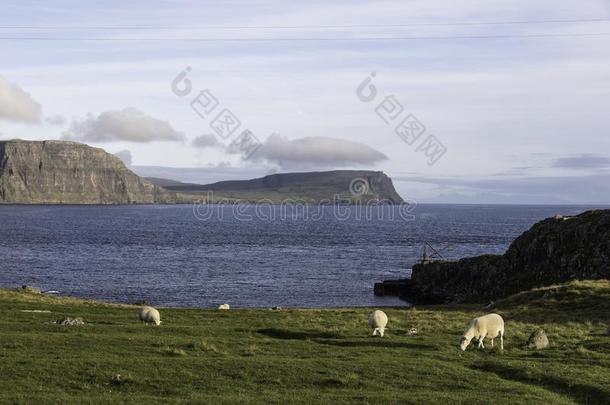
point(304, 356)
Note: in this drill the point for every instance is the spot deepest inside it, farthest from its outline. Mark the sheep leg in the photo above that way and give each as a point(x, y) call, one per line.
point(492, 342)
point(502, 341)
point(481, 338)
point(375, 332)
point(381, 332)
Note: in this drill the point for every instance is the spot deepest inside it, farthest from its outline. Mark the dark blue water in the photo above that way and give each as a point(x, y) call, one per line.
point(172, 256)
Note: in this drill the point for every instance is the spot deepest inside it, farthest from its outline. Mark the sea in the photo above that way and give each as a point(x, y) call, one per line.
point(245, 255)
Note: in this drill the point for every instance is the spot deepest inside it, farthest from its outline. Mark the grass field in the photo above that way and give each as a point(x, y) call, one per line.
point(303, 355)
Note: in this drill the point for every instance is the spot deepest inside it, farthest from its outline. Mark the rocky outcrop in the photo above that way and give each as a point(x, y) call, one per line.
point(67, 321)
point(337, 186)
point(60, 172)
point(538, 340)
point(554, 250)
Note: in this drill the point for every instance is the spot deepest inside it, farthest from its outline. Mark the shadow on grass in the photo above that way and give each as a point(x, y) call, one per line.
point(296, 335)
point(579, 392)
point(375, 343)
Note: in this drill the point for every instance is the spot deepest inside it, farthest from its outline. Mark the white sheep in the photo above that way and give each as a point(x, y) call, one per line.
point(149, 315)
point(378, 321)
point(490, 325)
point(224, 306)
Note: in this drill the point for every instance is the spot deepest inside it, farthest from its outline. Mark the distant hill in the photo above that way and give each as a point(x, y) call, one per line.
point(337, 186)
point(61, 172)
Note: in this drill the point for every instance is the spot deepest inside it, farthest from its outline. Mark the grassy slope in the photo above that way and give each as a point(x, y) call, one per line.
point(304, 356)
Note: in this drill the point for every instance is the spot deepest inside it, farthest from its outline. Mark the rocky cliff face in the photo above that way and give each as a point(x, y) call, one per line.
point(342, 186)
point(552, 251)
point(56, 172)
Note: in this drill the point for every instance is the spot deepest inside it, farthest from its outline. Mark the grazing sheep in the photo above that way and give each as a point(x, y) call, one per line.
point(149, 315)
point(224, 306)
point(491, 326)
point(378, 321)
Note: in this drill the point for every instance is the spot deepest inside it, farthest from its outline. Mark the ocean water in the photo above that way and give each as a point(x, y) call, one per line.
point(265, 256)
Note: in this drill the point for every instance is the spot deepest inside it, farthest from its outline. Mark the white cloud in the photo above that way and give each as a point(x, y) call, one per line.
point(129, 124)
point(205, 141)
point(17, 105)
point(58, 120)
point(317, 151)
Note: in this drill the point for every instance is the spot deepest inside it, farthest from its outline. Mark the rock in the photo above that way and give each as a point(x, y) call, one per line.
point(70, 321)
point(276, 308)
point(31, 290)
point(55, 172)
point(224, 306)
point(538, 340)
point(412, 332)
point(116, 379)
point(551, 252)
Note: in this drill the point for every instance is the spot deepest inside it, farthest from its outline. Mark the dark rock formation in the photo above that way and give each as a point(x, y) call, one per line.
point(554, 250)
point(59, 172)
point(337, 186)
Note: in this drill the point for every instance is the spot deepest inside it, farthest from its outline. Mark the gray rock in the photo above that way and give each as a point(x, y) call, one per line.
point(276, 308)
point(39, 172)
point(70, 321)
point(412, 332)
point(116, 379)
point(538, 340)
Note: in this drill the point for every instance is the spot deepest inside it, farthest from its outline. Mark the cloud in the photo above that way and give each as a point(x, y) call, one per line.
point(129, 125)
point(201, 175)
point(58, 120)
point(125, 156)
point(583, 162)
point(17, 105)
point(205, 141)
point(316, 151)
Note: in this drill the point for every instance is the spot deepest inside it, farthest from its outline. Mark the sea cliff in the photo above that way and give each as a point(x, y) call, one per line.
point(555, 250)
point(60, 172)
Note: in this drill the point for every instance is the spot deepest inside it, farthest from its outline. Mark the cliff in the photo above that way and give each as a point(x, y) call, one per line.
point(337, 186)
point(554, 250)
point(59, 172)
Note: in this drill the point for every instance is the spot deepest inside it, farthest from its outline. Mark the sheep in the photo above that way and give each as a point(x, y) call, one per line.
point(149, 315)
point(224, 306)
point(378, 321)
point(490, 325)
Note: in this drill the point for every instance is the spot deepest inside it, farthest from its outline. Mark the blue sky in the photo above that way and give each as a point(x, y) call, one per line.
point(522, 119)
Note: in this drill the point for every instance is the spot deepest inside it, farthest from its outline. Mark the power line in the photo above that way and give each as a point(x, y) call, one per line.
point(355, 39)
point(225, 27)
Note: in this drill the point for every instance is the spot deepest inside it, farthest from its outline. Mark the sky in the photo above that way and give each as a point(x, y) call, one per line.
point(506, 101)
